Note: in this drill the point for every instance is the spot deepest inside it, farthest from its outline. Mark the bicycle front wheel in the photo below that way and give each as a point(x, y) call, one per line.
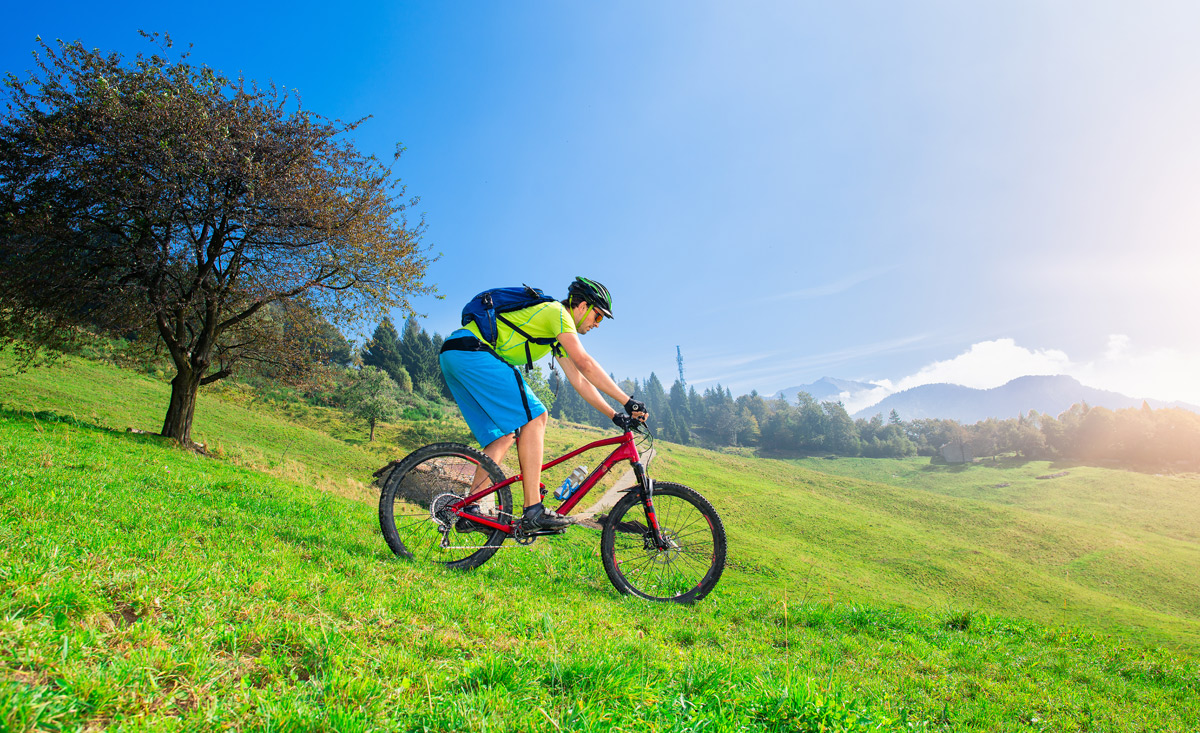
point(413, 512)
point(691, 565)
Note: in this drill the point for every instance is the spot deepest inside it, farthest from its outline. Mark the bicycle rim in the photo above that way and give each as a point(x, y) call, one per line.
point(684, 572)
point(412, 505)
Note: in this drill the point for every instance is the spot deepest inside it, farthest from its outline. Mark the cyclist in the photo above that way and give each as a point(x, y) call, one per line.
point(497, 409)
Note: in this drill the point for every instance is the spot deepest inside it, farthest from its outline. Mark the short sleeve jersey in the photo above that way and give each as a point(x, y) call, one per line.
point(544, 320)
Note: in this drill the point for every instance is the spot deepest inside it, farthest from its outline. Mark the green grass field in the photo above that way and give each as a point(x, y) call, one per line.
point(143, 587)
point(1115, 549)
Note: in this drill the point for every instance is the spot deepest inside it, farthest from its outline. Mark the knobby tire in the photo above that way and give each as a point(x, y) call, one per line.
point(685, 572)
point(417, 481)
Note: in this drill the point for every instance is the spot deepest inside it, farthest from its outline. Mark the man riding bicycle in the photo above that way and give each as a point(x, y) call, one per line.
point(496, 407)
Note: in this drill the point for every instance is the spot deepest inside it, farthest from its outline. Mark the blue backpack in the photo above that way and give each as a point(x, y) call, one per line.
point(487, 308)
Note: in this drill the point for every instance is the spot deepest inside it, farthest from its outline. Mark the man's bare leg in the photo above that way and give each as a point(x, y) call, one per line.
point(530, 450)
point(496, 450)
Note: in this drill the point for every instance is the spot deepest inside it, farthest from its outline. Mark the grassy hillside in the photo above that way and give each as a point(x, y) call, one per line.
point(319, 446)
point(1117, 549)
point(1165, 504)
point(148, 587)
point(1114, 551)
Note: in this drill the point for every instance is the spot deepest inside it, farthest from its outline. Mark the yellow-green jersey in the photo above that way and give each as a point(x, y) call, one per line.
point(544, 320)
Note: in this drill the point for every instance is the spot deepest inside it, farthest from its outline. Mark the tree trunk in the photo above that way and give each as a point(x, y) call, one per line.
point(372, 438)
point(178, 425)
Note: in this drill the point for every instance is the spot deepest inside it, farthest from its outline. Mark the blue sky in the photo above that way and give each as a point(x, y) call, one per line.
point(888, 192)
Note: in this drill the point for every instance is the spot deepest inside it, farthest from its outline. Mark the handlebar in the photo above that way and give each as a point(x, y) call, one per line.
point(640, 427)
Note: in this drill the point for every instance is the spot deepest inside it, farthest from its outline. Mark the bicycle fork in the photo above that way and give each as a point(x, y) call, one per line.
point(645, 487)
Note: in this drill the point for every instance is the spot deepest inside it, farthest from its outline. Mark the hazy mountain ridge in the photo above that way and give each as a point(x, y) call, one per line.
point(824, 389)
point(1047, 394)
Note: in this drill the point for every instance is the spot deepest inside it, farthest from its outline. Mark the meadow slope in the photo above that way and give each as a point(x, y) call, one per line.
point(144, 586)
point(1111, 550)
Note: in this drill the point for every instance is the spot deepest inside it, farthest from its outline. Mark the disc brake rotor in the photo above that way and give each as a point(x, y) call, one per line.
point(663, 557)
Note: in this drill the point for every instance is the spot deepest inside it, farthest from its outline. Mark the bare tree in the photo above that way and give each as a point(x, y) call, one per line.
point(156, 196)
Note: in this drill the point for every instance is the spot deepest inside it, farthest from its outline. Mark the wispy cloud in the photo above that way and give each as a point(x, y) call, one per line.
point(780, 366)
point(821, 290)
point(727, 363)
point(831, 288)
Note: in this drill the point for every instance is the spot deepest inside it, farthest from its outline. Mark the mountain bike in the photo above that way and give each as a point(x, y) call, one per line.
point(450, 503)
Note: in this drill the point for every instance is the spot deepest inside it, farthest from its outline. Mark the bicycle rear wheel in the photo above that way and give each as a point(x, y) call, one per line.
point(413, 504)
point(687, 570)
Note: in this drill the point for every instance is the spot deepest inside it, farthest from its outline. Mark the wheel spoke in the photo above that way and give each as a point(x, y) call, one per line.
point(414, 505)
point(690, 564)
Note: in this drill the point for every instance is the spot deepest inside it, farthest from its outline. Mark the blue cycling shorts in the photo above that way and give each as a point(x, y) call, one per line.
point(488, 392)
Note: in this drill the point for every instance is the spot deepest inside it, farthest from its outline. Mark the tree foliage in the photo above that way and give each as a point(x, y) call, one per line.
point(373, 396)
point(420, 359)
point(383, 353)
point(540, 385)
point(153, 196)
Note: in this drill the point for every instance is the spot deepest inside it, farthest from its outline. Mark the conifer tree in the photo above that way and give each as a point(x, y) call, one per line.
point(679, 402)
point(655, 396)
point(568, 405)
point(383, 352)
point(696, 407)
point(444, 388)
point(417, 354)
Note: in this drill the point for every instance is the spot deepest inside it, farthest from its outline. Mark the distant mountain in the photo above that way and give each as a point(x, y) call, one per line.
point(825, 389)
point(1049, 394)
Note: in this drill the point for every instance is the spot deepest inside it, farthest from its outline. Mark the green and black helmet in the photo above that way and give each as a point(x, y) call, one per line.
point(593, 293)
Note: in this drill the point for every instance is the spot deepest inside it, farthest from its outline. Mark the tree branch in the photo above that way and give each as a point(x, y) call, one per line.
point(215, 376)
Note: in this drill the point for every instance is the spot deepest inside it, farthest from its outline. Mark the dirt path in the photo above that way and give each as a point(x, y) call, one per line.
point(612, 496)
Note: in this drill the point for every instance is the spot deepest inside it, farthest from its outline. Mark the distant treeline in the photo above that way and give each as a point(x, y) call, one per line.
point(1131, 436)
point(1135, 436)
point(714, 418)
point(410, 359)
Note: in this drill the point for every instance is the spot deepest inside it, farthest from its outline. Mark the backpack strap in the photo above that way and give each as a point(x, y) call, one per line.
point(552, 342)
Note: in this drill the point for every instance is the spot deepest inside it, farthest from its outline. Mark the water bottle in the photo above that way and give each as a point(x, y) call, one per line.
point(571, 484)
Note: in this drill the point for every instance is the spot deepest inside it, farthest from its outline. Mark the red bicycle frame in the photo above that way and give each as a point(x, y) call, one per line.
point(625, 451)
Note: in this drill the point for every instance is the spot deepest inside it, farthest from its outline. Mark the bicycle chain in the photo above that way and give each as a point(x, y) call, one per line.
point(519, 536)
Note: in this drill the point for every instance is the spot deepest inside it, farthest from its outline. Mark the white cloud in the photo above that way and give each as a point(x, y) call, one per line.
point(1118, 347)
point(855, 401)
point(1164, 374)
point(989, 364)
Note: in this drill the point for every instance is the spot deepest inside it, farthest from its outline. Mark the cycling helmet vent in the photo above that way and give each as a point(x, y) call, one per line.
point(593, 293)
